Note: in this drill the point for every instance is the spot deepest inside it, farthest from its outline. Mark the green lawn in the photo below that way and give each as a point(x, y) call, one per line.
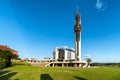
point(25, 72)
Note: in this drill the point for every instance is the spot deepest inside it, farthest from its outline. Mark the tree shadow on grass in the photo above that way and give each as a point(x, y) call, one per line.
point(7, 76)
point(79, 78)
point(4, 71)
point(45, 77)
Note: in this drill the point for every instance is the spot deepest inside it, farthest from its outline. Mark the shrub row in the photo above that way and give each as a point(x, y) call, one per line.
point(20, 63)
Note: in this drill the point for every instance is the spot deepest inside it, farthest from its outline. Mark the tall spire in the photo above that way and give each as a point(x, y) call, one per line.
point(77, 22)
point(77, 31)
point(77, 17)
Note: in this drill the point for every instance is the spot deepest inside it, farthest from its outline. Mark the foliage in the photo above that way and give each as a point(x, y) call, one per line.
point(20, 63)
point(2, 63)
point(25, 72)
point(5, 58)
point(119, 65)
point(88, 60)
point(106, 64)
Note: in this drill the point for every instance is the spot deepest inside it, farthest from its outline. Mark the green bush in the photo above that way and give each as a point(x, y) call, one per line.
point(20, 63)
point(119, 65)
point(2, 63)
point(5, 58)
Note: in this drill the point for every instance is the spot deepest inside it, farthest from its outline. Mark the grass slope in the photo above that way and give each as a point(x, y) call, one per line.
point(25, 72)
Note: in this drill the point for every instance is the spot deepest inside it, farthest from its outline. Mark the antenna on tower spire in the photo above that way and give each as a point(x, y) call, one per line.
point(78, 14)
point(77, 8)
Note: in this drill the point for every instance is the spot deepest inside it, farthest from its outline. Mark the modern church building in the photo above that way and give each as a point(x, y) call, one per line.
point(69, 57)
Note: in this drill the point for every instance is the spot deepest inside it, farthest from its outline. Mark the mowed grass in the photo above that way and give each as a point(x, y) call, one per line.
point(26, 72)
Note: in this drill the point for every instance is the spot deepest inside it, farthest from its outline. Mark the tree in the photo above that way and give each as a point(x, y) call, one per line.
point(8, 56)
point(5, 58)
point(88, 61)
point(2, 63)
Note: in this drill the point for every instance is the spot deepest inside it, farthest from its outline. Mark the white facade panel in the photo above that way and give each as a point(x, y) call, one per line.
point(56, 54)
point(65, 55)
point(72, 55)
point(69, 56)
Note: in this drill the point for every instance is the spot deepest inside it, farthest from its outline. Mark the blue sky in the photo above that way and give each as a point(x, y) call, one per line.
point(35, 27)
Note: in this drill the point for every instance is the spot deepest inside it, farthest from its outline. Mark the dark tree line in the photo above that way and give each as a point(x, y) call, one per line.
point(106, 64)
point(5, 58)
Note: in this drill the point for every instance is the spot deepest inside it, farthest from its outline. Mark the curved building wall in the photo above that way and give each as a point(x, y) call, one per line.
point(61, 54)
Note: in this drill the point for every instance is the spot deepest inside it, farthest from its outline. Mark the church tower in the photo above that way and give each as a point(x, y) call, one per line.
point(77, 31)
